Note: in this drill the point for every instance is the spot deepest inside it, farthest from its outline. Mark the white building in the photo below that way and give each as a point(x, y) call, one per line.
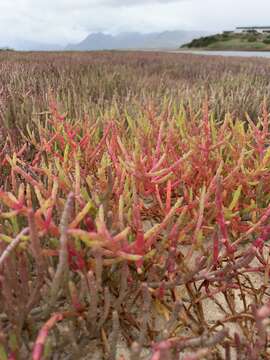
point(247, 29)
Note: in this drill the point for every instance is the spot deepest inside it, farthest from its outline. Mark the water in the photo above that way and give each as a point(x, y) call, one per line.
point(263, 54)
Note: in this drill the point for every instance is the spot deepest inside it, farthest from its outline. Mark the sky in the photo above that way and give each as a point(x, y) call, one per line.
point(70, 21)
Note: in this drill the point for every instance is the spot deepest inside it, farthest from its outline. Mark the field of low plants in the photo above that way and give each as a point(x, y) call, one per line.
point(134, 207)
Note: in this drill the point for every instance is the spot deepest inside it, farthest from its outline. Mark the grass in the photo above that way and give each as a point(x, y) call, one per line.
point(236, 44)
point(134, 198)
point(232, 41)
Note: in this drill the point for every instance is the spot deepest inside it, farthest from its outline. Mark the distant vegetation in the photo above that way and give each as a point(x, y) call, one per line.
point(6, 49)
point(250, 40)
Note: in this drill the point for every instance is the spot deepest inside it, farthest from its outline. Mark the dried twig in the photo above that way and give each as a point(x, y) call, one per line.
point(35, 244)
point(106, 308)
point(12, 245)
point(93, 300)
point(62, 267)
point(115, 336)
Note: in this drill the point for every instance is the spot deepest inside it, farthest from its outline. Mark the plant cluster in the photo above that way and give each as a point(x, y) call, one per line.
point(250, 36)
point(137, 222)
point(267, 40)
point(205, 41)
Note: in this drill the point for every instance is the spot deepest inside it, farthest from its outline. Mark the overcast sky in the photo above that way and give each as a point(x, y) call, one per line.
point(65, 21)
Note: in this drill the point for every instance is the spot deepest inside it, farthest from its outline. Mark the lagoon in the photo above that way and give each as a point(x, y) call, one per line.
point(263, 54)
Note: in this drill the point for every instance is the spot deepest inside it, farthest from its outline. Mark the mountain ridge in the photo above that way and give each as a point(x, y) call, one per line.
point(135, 40)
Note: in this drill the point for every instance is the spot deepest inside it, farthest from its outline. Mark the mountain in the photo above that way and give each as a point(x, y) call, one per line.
point(133, 40)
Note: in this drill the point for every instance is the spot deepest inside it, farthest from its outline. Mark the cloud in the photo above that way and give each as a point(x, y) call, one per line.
point(64, 21)
point(133, 3)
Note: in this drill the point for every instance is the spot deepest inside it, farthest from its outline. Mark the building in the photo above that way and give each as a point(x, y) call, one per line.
point(250, 29)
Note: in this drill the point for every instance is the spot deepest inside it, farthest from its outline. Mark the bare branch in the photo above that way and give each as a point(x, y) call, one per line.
point(62, 267)
point(14, 243)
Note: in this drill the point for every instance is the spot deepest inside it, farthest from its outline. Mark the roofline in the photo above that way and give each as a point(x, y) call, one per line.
point(253, 27)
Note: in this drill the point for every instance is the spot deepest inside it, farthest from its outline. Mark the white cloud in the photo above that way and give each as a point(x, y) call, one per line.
point(133, 3)
point(63, 21)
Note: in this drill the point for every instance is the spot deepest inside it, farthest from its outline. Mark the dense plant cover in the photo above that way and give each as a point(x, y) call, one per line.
point(250, 40)
point(132, 210)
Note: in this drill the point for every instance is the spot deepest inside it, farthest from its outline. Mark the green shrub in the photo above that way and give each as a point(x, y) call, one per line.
point(252, 39)
point(225, 37)
point(203, 41)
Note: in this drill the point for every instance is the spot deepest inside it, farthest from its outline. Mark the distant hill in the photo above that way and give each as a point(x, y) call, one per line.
point(133, 40)
point(247, 41)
